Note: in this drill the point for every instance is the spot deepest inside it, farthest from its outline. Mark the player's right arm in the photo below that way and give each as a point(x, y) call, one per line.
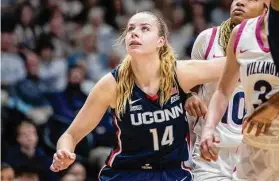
point(219, 100)
point(100, 98)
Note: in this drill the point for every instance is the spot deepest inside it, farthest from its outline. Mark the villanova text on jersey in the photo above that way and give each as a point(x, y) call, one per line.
point(151, 136)
point(262, 67)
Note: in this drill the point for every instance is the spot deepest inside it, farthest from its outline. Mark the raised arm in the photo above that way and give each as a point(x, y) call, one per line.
point(195, 72)
point(219, 101)
point(101, 97)
point(195, 105)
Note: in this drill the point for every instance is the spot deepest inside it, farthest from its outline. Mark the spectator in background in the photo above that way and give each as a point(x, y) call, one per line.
point(106, 35)
point(115, 13)
point(114, 59)
point(27, 153)
point(57, 30)
point(28, 95)
point(26, 30)
point(53, 71)
point(6, 4)
point(78, 170)
point(68, 177)
point(12, 66)
point(133, 6)
point(222, 12)
point(66, 105)
point(7, 172)
point(71, 9)
point(197, 26)
point(95, 61)
point(28, 172)
point(180, 32)
point(166, 8)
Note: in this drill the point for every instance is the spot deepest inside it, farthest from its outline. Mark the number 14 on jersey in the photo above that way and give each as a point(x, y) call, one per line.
point(166, 140)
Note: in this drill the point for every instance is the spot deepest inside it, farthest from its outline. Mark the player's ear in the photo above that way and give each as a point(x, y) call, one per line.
point(266, 6)
point(161, 42)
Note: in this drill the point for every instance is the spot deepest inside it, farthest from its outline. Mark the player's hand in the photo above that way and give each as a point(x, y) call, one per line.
point(195, 106)
point(62, 159)
point(208, 144)
point(263, 116)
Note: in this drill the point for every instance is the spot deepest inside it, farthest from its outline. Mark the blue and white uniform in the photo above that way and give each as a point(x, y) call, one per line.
point(207, 47)
point(259, 155)
point(153, 141)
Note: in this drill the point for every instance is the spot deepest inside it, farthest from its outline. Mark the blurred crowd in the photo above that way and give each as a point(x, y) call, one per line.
point(52, 54)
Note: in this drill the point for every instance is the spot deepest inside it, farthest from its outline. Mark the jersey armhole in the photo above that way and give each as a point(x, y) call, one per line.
point(180, 90)
point(114, 73)
point(211, 41)
point(238, 34)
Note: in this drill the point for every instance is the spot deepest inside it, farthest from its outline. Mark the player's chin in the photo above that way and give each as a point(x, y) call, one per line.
point(238, 18)
point(134, 51)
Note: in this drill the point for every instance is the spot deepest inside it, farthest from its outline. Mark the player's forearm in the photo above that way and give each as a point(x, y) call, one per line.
point(217, 108)
point(275, 4)
point(66, 142)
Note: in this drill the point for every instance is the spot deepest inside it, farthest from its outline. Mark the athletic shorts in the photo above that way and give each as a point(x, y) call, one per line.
point(110, 174)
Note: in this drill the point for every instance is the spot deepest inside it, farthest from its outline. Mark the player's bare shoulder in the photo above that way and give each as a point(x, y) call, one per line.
point(106, 89)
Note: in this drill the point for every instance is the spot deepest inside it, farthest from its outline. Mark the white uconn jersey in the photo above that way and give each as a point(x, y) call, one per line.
point(229, 128)
point(258, 76)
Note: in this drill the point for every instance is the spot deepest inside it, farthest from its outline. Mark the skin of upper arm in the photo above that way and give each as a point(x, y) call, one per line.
point(195, 72)
point(101, 97)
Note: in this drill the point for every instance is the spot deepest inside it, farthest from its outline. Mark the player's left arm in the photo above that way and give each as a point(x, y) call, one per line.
point(195, 72)
point(194, 105)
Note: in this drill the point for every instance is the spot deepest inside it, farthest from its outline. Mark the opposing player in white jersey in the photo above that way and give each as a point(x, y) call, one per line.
point(210, 44)
point(248, 58)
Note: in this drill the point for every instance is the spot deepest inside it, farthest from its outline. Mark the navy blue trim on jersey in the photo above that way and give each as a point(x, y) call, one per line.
point(273, 37)
point(151, 136)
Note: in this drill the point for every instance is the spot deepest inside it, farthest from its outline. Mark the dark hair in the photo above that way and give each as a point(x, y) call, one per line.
point(8, 22)
point(20, 9)
point(22, 122)
point(29, 168)
point(5, 166)
point(44, 42)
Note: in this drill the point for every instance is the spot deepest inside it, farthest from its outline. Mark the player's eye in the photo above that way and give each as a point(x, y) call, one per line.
point(131, 28)
point(145, 28)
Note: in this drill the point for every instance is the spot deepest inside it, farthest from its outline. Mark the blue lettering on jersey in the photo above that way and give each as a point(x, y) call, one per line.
point(261, 67)
point(236, 112)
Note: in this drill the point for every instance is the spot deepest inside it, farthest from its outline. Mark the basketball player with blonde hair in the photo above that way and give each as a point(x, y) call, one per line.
point(248, 58)
point(210, 44)
point(146, 94)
